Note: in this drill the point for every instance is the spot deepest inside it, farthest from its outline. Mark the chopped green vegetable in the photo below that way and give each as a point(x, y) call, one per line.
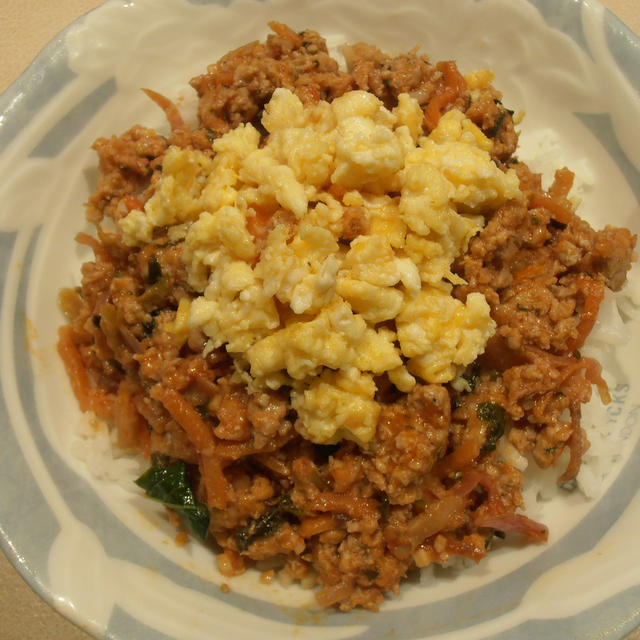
point(115, 364)
point(494, 415)
point(149, 327)
point(154, 270)
point(212, 134)
point(157, 294)
point(533, 310)
point(169, 484)
point(268, 523)
point(471, 375)
point(493, 131)
point(203, 410)
point(384, 509)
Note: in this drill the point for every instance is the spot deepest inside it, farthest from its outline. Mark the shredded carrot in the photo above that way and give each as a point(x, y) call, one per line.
point(578, 444)
point(131, 202)
point(454, 84)
point(337, 191)
point(170, 109)
point(557, 211)
point(562, 183)
point(593, 373)
point(286, 33)
point(98, 249)
point(214, 481)
point(593, 292)
point(353, 506)
point(529, 272)
point(198, 431)
point(453, 79)
point(314, 525)
point(436, 105)
point(257, 224)
point(128, 422)
point(228, 450)
point(202, 438)
point(88, 399)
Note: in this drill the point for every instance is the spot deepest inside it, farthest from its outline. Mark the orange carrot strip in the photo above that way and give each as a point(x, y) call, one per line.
point(88, 398)
point(98, 249)
point(202, 438)
point(337, 191)
point(131, 202)
point(435, 107)
point(562, 183)
point(353, 506)
point(529, 272)
point(315, 525)
point(257, 225)
point(286, 33)
point(558, 212)
point(214, 481)
point(593, 373)
point(228, 450)
point(128, 422)
point(187, 417)
point(453, 79)
point(578, 444)
point(593, 291)
point(170, 109)
point(454, 84)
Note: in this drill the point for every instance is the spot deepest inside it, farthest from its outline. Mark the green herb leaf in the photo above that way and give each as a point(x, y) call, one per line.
point(495, 129)
point(154, 270)
point(384, 509)
point(268, 523)
point(169, 485)
point(472, 374)
point(495, 416)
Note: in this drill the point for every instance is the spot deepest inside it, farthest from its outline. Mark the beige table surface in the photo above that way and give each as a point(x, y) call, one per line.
point(25, 27)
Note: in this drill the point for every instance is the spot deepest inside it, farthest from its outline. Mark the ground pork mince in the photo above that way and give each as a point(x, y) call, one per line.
point(323, 310)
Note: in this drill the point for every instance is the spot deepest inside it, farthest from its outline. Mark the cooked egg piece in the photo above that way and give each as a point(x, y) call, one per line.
point(323, 252)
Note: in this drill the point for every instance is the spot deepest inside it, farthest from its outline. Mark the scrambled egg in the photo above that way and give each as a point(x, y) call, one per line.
point(293, 293)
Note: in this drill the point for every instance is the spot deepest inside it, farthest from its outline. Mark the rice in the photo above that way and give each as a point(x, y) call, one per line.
point(94, 444)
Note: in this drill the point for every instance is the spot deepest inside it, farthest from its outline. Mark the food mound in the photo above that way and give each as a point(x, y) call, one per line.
point(332, 312)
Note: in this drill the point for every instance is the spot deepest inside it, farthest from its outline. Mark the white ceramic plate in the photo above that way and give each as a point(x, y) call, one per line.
point(102, 554)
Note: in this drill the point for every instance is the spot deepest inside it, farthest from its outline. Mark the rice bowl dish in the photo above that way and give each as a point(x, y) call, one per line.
point(337, 313)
